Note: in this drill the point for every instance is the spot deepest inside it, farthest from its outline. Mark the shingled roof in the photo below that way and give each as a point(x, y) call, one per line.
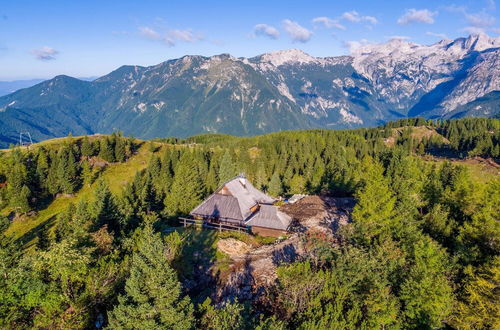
point(233, 200)
point(269, 216)
point(219, 206)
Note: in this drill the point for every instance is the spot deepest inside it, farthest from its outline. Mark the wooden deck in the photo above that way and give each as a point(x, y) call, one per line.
point(210, 225)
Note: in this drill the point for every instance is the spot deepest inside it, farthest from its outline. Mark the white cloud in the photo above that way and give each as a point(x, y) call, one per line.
point(352, 45)
point(437, 35)
point(328, 23)
point(417, 16)
point(477, 22)
point(170, 37)
point(45, 53)
point(370, 19)
point(480, 19)
point(351, 16)
point(355, 17)
point(297, 32)
point(184, 35)
point(266, 30)
point(473, 30)
point(398, 38)
point(149, 33)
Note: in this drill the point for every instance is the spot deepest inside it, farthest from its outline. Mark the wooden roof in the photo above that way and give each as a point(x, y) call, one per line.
point(235, 199)
point(269, 216)
point(219, 206)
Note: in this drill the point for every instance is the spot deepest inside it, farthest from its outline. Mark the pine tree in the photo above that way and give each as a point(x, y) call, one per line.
point(212, 180)
point(374, 212)
point(18, 191)
point(67, 171)
point(88, 174)
point(227, 169)
point(52, 177)
point(87, 148)
point(187, 188)
point(21, 200)
point(228, 316)
point(275, 186)
point(106, 151)
point(297, 184)
point(64, 223)
point(43, 242)
point(480, 306)
point(425, 292)
point(120, 153)
point(104, 210)
point(42, 168)
point(152, 298)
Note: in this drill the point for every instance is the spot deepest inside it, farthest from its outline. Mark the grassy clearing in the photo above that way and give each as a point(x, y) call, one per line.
point(117, 175)
point(418, 133)
point(480, 171)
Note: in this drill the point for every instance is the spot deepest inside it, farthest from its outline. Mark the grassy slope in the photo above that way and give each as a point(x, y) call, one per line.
point(478, 170)
point(418, 133)
point(117, 175)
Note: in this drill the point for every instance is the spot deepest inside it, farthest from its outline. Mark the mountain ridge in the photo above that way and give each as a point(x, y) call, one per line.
point(287, 89)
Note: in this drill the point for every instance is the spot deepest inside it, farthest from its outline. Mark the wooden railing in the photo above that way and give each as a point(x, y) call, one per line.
point(212, 225)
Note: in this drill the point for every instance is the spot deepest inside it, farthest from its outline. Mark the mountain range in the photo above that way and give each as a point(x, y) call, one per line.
point(275, 91)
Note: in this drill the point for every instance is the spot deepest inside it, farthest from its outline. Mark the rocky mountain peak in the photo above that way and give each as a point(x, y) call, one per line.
point(281, 57)
point(480, 42)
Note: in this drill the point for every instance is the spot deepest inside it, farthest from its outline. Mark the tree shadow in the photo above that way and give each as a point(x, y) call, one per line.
point(286, 254)
point(195, 263)
point(32, 233)
point(239, 285)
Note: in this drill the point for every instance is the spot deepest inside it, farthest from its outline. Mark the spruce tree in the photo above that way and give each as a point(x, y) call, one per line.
point(104, 210)
point(374, 212)
point(187, 188)
point(67, 171)
point(106, 151)
point(120, 153)
point(52, 177)
point(42, 168)
point(21, 200)
point(275, 186)
point(88, 174)
point(87, 149)
point(297, 184)
point(227, 169)
point(43, 242)
point(152, 298)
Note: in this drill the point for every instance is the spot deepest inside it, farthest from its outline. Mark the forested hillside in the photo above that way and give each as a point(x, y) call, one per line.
point(89, 234)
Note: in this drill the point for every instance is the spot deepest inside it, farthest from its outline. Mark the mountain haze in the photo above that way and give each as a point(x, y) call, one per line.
point(275, 91)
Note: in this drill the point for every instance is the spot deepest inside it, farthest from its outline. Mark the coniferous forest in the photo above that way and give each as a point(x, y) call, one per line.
point(89, 232)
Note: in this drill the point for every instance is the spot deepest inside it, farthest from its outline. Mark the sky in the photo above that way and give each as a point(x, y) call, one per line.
point(87, 38)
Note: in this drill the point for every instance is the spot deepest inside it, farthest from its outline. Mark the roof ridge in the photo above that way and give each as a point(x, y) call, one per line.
point(239, 176)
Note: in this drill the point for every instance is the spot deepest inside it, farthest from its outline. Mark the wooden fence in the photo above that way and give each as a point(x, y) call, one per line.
point(211, 225)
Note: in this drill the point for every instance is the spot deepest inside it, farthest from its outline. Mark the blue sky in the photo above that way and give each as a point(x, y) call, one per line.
point(41, 39)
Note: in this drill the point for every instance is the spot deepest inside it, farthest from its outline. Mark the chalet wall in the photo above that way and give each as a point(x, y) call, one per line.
point(267, 231)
